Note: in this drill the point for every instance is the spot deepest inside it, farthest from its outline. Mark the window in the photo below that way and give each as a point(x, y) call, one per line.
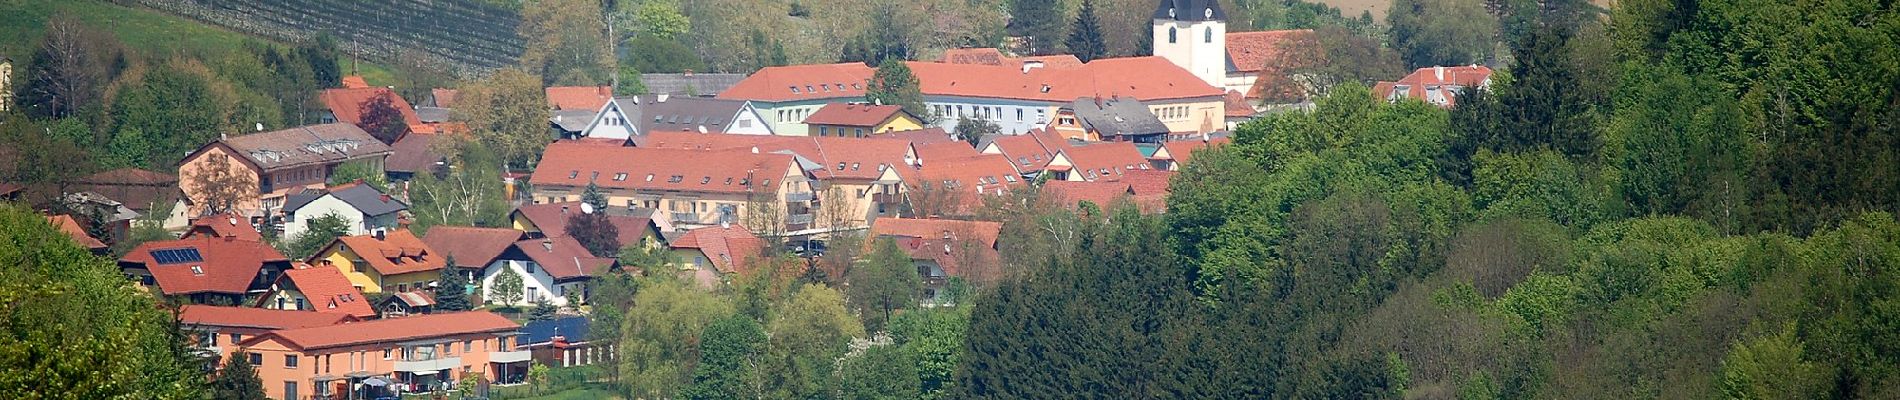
point(620, 176)
point(1171, 35)
point(528, 266)
point(280, 303)
point(1207, 35)
point(290, 389)
point(468, 346)
point(386, 354)
point(534, 295)
point(257, 359)
point(794, 89)
point(235, 338)
point(573, 174)
point(197, 270)
point(1019, 115)
point(290, 361)
point(859, 132)
point(823, 130)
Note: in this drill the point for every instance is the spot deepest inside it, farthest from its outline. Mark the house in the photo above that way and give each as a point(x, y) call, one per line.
point(550, 220)
point(144, 192)
point(1239, 110)
point(690, 83)
point(785, 95)
point(470, 248)
point(442, 98)
point(1193, 34)
point(550, 269)
point(860, 120)
point(1019, 99)
point(1119, 119)
point(633, 116)
point(1107, 161)
point(114, 217)
point(277, 164)
point(589, 98)
point(217, 330)
point(571, 124)
point(1437, 86)
point(323, 290)
point(957, 185)
point(225, 225)
point(855, 179)
point(687, 189)
point(1147, 190)
point(406, 304)
point(70, 226)
point(345, 105)
point(942, 249)
point(1030, 152)
point(386, 261)
point(372, 359)
point(1173, 155)
point(362, 206)
point(712, 252)
point(414, 153)
point(205, 270)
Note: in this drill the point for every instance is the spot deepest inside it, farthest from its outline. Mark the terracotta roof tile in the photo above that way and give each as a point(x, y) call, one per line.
point(732, 249)
point(304, 145)
point(471, 247)
point(226, 266)
point(347, 104)
point(1182, 151)
point(1237, 105)
point(1106, 161)
point(1249, 51)
point(551, 218)
point(328, 291)
point(1144, 78)
point(444, 98)
point(260, 318)
point(973, 176)
point(992, 56)
point(71, 227)
point(1102, 193)
point(863, 115)
point(739, 171)
point(413, 153)
point(563, 257)
point(945, 150)
point(223, 225)
point(803, 82)
point(921, 136)
point(1417, 85)
point(985, 232)
point(860, 157)
point(354, 82)
point(392, 330)
point(589, 98)
point(399, 252)
point(1033, 150)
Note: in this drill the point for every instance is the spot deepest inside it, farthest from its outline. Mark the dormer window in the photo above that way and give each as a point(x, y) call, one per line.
point(620, 176)
point(649, 177)
point(675, 179)
point(705, 180)
point(573, 174)
point(197, 270)
point(794, 90)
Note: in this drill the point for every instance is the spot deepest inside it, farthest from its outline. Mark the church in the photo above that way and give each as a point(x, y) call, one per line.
point(1193, 34)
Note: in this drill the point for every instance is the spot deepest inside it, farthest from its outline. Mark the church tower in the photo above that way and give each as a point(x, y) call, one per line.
point(1193, 35)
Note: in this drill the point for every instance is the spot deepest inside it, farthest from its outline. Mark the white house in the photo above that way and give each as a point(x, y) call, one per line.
point(549, 268)
point(363, 206)
point(625, 117)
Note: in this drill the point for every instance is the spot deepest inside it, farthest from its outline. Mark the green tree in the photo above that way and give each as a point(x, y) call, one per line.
point(661, 335)
point(238, 379)
point(808, 334)
point(69, 69)
point(181, 96)
point(1040, 22)
point(661, 19)
point(936, 337)
point(360, 171)
point(570, 42)
point(883, 284)
point(544, 310)
point(452, 288)
point(1545, 107)
point(467, 192)
point(1441, 32)
point(652, 54)
point(506, 290)
point(507, 112)
point(1085, 36)
point(651, 258)
point(318, 232)
point(879, 373)
point(893, 84)
point(128, 148)
point(729, 352)
point(972, 129)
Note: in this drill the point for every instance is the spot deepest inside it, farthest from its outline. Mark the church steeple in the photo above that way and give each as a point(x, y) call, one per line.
point(1190, 10)
point(1193, 35)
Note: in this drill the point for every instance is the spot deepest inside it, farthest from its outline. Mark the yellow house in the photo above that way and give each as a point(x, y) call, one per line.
point(860, 120)
point(395, 261)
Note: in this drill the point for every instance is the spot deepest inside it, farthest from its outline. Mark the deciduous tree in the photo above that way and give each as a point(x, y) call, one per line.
point(883, 284)
point(506, 289)
point(381, 118)
point(729, 351)
point(507, 112)
point(660, 339)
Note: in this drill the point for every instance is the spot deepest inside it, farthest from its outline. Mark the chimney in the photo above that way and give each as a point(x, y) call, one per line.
point(381, 234)
point(385, 198)
point(687, 72)
point(1439, 72)
point(547, 245)
point(563, 209)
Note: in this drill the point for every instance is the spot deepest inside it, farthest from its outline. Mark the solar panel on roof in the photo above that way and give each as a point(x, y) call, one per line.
point(176, 256)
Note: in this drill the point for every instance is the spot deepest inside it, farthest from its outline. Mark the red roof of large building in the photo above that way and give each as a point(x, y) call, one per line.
point(847, 114)
point(803, 82)
point(223, 225)
point(71, 227)
point(737, 171)
point(590, 98)
point(328, 291)
point(347, 105)
point(1105, 161)
point(391, 330)
point(1250, 51)
point(842, 157)
point(398, 252)
point(964, 179)
point(563, 257)
point(730, 248)
point(204, 264)
point(944, 150)
point(1144, 78)
point(471, 247)
point(992, 56)
point(259, 318)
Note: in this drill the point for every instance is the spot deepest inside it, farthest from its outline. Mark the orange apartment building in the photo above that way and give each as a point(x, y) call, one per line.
point(217, 330)
point(374, 359)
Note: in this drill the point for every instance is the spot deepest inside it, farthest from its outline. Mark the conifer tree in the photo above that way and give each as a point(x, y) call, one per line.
point(237, 380)
point(894, 84)
point(451, 291)
point(1085, 37)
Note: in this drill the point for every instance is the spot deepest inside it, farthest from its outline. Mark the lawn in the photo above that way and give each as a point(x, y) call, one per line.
point(578, 394)
point(143, 30)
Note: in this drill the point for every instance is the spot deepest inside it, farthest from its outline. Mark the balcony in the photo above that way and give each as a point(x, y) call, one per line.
point(429, 365)
point(508, 356)
point(685, 218)
point(798, 197)
point(798, 219)
point(885, 198)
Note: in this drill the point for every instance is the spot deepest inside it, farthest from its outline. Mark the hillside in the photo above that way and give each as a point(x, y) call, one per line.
point(461, 36)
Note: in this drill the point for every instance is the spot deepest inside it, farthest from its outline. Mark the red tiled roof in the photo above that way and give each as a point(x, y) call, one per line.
point(228, 265)
point(803, 82)
point(71, 227)
point(920, 136)
point(347, 104)
point(845, 114)
point(992, 56)
point(590, 98)
point(1106, 161)
point(444, 98)
point(729, 248)
point(1181, 151)
point(328, 290)
point(859, 156)
point(130, 176)
point(1421, 80)
point(1249, 51)
point(399, 252)
point(945, 150)
point(223, 225)
point(471, 247)
point(551, 218)
point(737, 171)
point(261, 318)
point(354, 82)
point(392, 330)
point(1237, 105)
point(563, 257)
point(984, 232)
point(1144, 78)
point(974, 176)
point(1033, 150)
point(413, 298)
point(413, 153)
point(1146, 182)
point(1102, 193)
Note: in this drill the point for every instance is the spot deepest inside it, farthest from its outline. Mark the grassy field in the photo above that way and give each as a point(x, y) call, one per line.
point(579, 394)
point(143, 30)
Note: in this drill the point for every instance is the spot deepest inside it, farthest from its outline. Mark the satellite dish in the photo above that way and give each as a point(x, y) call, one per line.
point(587, 208)
point(702, 129)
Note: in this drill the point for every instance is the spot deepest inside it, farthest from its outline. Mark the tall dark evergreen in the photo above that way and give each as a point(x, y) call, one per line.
point(237, 380)
point(451, 291)
point(1545, 107)
point(894, 84)
point(1085, 36)
point(1040, 22)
